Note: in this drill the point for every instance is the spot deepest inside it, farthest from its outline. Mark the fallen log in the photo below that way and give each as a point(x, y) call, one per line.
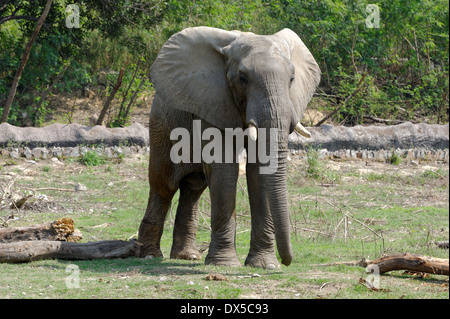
point(405, 261)
point(61, 229)
point(417, 263)
point(26, 251)
point(442, 244)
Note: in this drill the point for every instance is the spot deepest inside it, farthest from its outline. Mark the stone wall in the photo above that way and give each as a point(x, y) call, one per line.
point(413, 142)
point(71, 135)
point(42, 153)
point(403, 136)
point(411, 155)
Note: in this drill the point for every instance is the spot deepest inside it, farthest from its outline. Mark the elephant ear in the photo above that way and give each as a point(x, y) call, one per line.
point(189, 75)
point(307, 71)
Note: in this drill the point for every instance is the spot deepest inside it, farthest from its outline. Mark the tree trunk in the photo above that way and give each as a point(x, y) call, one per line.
point(61, 229)
point(23, 62)
point(110, 97)
point(26, 251)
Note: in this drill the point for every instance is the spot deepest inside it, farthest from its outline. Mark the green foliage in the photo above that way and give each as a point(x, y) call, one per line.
point(405, 57)
point(395, 159)
point(314, 169)
point(92, 158)
point(135, 83)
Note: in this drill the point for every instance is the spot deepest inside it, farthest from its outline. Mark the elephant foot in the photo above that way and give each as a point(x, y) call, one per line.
point(150, 252)
point(186, 254)
point(262, 261)
point(229, 260)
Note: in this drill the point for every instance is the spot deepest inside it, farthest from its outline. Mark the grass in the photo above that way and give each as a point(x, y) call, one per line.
point(92, 158)
point(348, 212)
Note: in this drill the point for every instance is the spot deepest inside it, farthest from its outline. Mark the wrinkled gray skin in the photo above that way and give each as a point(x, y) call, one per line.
point(228, 80)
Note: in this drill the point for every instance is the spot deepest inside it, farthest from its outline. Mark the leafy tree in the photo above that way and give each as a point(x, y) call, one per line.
point(56, 44)
point(404, 57)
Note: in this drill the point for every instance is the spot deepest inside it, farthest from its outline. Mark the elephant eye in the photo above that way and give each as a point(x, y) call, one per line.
point(292, 80)
point(243, 78)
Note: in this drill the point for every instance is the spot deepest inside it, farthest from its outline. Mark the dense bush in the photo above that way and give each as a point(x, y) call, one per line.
point(403, 54)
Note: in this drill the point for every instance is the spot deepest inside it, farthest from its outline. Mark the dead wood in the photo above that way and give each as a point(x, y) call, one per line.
point(61, 229)
point(418, 263)
point(26, 251)
point(406, 261)
point(442, 244)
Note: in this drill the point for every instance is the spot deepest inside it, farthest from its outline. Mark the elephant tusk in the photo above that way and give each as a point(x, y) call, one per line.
point(302, 131)
point(252, 132)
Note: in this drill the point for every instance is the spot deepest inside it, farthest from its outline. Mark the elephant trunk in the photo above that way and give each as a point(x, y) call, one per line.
point(278, 205)
point(274, 115)
point(276, 186)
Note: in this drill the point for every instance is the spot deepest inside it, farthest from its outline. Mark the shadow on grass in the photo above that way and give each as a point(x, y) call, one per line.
point(427, 279)
point(153, 267)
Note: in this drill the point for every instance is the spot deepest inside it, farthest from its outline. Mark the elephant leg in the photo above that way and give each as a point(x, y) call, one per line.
point(152, 225)
point(222, 180)
point(262, 242)
point(164, 179)
point(186, 220)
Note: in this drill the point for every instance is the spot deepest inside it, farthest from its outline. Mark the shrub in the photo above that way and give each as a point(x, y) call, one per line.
point(314, 167)
point(92, 158)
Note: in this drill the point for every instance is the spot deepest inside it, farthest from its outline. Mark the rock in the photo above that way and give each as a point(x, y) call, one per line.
point(37, 153)
point(57, 152)
point(80, 187)
point(108, 153)
point(74, 152)
point(27, 153)
point(45, 153)
point(323, 153)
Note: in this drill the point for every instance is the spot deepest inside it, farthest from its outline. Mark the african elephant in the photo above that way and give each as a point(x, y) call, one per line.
point(226, 80)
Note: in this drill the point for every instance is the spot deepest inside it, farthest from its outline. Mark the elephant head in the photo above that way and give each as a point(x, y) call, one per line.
point(237, 79)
